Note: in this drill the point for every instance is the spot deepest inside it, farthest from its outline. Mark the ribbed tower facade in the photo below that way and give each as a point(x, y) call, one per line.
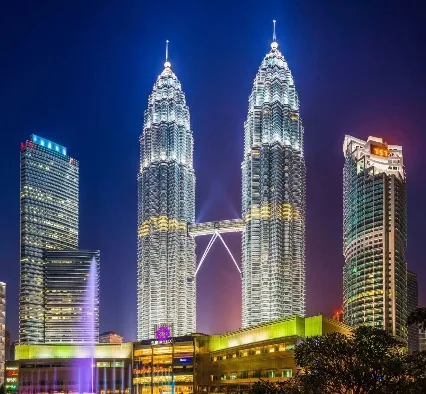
point(49, 221)
point(71, 296)
point(166, 204)
point(374, 235)
point(273, 197)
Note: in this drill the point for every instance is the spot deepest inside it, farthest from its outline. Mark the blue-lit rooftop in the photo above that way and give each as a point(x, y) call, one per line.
point(49, 144)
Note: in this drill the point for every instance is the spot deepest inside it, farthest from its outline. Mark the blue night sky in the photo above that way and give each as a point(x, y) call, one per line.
point(79, 73)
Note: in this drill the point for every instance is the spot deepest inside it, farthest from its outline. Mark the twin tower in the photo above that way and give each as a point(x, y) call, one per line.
point(273, 205)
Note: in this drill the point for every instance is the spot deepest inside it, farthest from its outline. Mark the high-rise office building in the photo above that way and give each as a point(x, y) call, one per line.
point(412, 304)
point(2, 330)
point(422, 340)
point(72, 296)
point(7, 346)
point(273, 196)
point(49, 220)
point(374, 235)
point(166, 204)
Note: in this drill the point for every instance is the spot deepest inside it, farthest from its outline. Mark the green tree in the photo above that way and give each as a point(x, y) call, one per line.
point(416, 373)
point(367, 361)
point(418, 316)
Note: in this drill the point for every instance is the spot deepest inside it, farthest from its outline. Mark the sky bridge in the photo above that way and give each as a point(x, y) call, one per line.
point(222, 226)
point(215, 229)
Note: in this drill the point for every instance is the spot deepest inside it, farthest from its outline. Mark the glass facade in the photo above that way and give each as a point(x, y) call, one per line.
point(49, 220)
point(374, 235)
point(166, 204)
point(273, 197)
point(164, 367)
point(412, 304)
point(71, 315)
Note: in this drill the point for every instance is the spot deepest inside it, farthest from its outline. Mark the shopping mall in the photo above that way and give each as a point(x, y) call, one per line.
point(188, 364)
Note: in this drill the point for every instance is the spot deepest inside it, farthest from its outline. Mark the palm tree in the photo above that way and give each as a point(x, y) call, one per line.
point(418, 316)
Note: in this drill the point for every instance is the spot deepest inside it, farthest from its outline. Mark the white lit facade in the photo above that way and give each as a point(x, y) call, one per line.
point(166, 204)
point(72, 296)
point(273, 197)
point(49, 220)
point(374, 235)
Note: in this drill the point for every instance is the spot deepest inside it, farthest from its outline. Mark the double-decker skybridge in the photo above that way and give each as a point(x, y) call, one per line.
point(215, 229)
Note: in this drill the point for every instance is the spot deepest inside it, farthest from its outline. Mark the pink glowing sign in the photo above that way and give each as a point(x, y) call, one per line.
point(163, 333)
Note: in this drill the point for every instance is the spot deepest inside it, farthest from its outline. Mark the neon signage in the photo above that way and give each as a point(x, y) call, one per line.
point(163, 333)
point(165, 342)
point(379, 150)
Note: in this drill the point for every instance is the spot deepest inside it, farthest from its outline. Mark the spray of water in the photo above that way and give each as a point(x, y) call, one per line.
point(91, 313)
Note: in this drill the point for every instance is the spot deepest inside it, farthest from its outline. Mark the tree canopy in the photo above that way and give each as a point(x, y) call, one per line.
point(418, 316)
point(367, 361)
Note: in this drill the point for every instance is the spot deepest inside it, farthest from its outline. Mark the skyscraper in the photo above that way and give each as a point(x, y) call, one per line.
point(49, 220)
point(166, 204)
point(3, 342)
point(374, 235)
point(273, 196)
point(72, 296)
point(412, 304)
point(422, 340)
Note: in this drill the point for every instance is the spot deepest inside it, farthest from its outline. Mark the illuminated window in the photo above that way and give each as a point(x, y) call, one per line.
point(287, 373)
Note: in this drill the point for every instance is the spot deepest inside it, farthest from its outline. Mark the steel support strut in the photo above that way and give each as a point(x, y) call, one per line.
point(226, 246)
point(215, 235)
point(209, 245)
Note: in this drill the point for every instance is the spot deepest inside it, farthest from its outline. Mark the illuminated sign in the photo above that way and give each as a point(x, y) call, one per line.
point(186, 360)
point(12, 373)
point(168, 341)
point(11, 383)
point(379, 150)
point(163, 333)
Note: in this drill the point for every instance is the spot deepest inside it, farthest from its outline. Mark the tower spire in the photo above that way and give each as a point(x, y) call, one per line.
point(274, 37)
point(274, 44)
point(167, 64)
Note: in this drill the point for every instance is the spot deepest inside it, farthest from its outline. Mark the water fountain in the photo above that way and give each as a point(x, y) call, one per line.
point(90, 324)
